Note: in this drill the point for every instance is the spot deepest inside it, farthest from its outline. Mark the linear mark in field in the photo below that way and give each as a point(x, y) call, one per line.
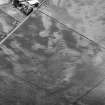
point(21, 23)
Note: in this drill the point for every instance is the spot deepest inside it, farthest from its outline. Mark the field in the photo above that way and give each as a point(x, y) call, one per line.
point(56, 57)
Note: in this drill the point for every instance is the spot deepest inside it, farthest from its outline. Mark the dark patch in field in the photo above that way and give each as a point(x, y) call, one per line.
point(69, 39)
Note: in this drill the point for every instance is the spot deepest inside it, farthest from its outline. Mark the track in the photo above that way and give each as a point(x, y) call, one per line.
point(21, 23)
